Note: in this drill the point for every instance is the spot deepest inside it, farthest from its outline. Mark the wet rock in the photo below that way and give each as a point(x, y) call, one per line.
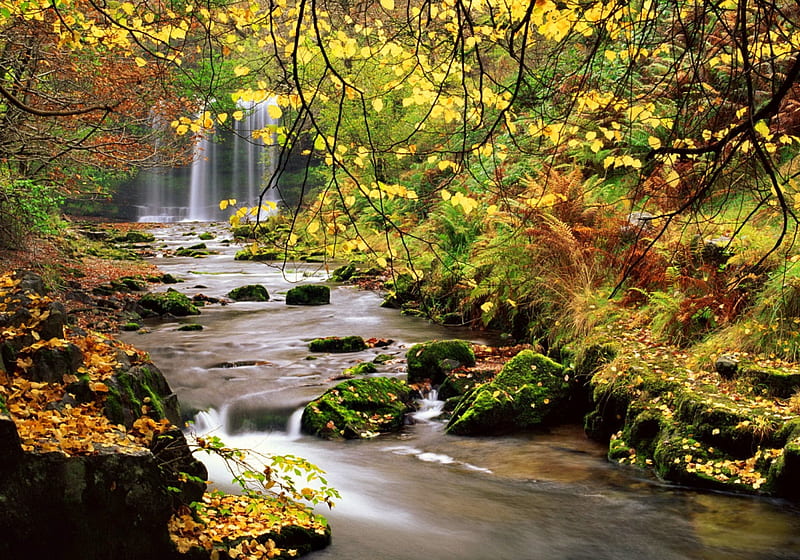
point(135, 237)
point(343, 273)
point(138, 389)
point(726, 366)
point(170, 302)
point(337, 344)
point(309, 294)
point(526, 394)
point(51, 364)
point(433, 360)
point(250, 292)
point(108, 506)
point(359, 408)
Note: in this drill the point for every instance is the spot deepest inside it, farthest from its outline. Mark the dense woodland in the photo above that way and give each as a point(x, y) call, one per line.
point(572, 175)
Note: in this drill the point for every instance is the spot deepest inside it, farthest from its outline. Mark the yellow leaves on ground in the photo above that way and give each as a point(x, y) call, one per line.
point(44, 422)
point(223, 518)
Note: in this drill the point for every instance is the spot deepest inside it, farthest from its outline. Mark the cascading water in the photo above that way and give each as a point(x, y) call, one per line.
point(225, 165)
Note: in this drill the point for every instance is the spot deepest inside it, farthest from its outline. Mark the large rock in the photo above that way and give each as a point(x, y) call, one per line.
point(113, 505)
point(309, 294)
point(525, 394)
point(170, 302)
point(250, 292)
point(433, 360)
point(338, 344)
point(358, 408)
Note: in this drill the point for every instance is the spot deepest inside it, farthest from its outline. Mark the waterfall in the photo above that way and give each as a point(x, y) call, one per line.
point(225, 165)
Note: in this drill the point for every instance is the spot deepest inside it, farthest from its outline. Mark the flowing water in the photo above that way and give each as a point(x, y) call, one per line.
point(422, 494)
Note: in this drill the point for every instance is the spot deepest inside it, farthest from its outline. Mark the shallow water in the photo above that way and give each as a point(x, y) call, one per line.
point(421, 493)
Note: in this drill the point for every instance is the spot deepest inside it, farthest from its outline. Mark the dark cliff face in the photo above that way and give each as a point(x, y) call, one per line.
point(107, 500)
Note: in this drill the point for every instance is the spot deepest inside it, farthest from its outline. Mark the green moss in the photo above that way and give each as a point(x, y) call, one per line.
point(191, 327)
point(250, 292)
point(131, 326)
point(618, 450)
point(358, 408)
point(337, 344)
point(206, 236)
point(433, 360)
point(362, 368)
point(171, 301)
point(776, 382)
point(525, 394)
point(343, 273)
point(309, 294)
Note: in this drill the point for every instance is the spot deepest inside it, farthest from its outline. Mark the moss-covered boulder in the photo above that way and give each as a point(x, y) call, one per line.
point(359, 408)
point(309, 294)
point(338, 345)
point(361, 368)
point(433, 360)
point(250, 292)
point(170, 302)
point(343, 273)
point(525, 394)
point(134, 236)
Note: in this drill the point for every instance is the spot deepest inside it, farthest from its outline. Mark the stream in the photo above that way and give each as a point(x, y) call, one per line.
point(422, 494)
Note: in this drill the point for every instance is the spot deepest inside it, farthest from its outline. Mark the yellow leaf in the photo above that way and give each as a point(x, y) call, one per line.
point(222, 117)
point(445, 194)
point(377, 104)
point(313, 227)
point(487, 306)
point(387, 4)
point(127, 7)
point(239, 71)
point(350, 200)
point(238, 115)
point(274, 111)
point(140, 61)
point(654, 142)
point(382, 262)
point(762, 128)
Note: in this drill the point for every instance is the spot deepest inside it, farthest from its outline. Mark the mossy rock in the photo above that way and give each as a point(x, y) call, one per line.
point(170, 302)
point(260, 255)
point(359, 408)
point(362, 368)
point(131, 326)
point(456, 386)
point(784, 473)
point(777, 382)
point(140, 388)
point(337, 344)
point(434, 360)
point(191, 327)
point(135, 237)
point(527, 393)
point(250, 292)
point(309, 294)
point(206, 236)
point(343, 273)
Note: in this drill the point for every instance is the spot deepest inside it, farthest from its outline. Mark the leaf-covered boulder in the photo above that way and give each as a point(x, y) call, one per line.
point(525, 394)
point(250, 292)
point(358, 408)
point(170, 302)
point(433, 360)
point(309, 294)
point(338, 345)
